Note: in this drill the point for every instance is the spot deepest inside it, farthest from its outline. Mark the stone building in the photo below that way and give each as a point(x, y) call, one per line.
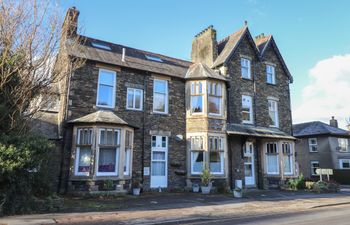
point(131, 114)
point(321, 145)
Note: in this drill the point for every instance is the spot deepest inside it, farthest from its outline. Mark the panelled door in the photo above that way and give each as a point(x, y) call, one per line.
point(249, 171)
point(159, 162)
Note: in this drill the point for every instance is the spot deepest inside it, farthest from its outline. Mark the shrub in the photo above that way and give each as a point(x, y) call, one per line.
point(206, 176)
point(309, 185)
point(23, 174)
point(325, 187)
point(297, 183)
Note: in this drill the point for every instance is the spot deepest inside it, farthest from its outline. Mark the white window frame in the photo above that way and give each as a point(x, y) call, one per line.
point(340, 144)
point(245, 63)
point(221, 151)
point(134, 99)
point(313, 145)
point(291, 154)
point(215, 93)
point(267, 162)
point(341, 161)
point(250, 121)
point(270, 71)
point(114, 88)
point(196, 92)
point(117, 149)
point(275, 112)
point(312, 167)
point(197, 150)
point(77, 154)
point(166, 96)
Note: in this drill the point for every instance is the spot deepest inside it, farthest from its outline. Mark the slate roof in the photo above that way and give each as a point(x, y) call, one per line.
point(317, 128)
point(257, 131)
point(100, 116)
point(134, 58)
point(200, 70)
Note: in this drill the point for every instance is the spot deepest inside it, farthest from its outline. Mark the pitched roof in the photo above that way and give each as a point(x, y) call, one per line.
point(106, 52)
point(317, 128)
point(228, 45)
point(100, 116)
point(263, 42)
point(200, 70)
point(257, 131)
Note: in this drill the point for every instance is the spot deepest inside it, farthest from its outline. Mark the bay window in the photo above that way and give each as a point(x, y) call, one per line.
point(272, 165)
point(216, 155)
point(108, 152)
point(134, 99)
point(106, 88)
point(270, 74)
point(245, 68)
point(197, 154)
point(287, 158)
point(215, 98)
point(127, 154)
point(197, 97)
point(160, 96)
point(273, 113)
point(83, 151)
point(247, 109)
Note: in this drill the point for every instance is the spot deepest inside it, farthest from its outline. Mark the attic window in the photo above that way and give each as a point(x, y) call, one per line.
point(100, 45)
point(153, 58)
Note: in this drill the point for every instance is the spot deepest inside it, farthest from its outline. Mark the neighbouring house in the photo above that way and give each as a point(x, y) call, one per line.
point(320, 145)
point(131, 114)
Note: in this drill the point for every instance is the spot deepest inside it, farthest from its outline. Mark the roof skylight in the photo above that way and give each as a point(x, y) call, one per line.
point(100, 45)
point(153, 58)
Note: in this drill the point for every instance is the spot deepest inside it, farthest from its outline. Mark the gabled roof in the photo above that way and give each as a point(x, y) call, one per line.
point(256, 131)
point(317, 128)
point(100, 116)
point(228, 45)
point(134, 58)
point(200, 70)
point(263, 42)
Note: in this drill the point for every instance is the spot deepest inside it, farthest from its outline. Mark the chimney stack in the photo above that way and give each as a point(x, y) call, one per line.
point(333, 122)
point(70, 24)
point(204, 47)
point(260, 36)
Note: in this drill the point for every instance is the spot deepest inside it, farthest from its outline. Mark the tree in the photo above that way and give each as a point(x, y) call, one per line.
point(32, 58)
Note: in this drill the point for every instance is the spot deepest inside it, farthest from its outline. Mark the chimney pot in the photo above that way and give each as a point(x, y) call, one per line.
point(333, 122)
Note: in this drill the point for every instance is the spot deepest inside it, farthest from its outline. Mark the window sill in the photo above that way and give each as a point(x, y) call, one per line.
point(271, 84)
point(160, 114)
point(104, 107)
point(248, 123)
point(138, 110)
point(246, 78)
point(272, 126)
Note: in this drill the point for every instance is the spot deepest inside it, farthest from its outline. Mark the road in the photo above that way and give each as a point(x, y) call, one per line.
point(333, 215)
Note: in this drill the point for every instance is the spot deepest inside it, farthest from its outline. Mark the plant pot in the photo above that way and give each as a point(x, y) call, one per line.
point(205, 189)
point(136, 191)
point(195, 188)
point(237, 194)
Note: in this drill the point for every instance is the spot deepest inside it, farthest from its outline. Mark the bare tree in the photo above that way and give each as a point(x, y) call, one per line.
point(33, 39)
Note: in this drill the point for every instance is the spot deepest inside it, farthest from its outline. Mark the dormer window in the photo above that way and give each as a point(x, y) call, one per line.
point(245, 68)
point(197, 96)
point(214, 98)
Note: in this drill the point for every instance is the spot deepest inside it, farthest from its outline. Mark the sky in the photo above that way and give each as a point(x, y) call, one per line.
point(313, 37)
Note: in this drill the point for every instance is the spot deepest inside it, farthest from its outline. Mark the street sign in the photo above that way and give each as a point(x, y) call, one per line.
point(324, 171)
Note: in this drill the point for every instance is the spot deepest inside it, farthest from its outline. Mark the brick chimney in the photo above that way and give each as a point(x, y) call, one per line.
point(70, 24)
point(260, 36)
point(204, 47)
point(333, 122)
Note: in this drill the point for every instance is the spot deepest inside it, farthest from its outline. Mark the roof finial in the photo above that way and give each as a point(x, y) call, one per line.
point(245, 23)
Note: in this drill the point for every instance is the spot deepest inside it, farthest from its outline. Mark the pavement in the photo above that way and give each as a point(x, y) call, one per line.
point(191, 208)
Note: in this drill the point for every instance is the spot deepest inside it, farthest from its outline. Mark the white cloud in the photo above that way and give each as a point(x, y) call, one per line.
point(328, 94)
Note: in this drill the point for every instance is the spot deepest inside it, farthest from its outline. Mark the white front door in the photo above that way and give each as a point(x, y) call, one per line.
point(249, 171)
point(159, 164)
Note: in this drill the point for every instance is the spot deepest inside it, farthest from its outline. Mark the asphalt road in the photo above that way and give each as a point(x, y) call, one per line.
point(333, 215)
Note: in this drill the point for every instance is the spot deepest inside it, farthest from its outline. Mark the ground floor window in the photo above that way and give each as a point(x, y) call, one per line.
point(216, 155)
point(271, 155)
point(344, 163)
point(102, 144)
point(197, 154)
point(314, 165)
point(287, 158)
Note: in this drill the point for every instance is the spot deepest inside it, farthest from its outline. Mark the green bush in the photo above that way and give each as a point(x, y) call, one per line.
point(297, 183)
point(23, 174)
point(325, 187)
point(206, 176)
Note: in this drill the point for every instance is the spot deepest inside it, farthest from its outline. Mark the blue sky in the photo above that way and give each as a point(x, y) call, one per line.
point(307, 32)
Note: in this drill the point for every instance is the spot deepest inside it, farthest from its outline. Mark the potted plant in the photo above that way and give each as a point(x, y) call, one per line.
point(237, 192)
point(206, 181)
point(195, 188)
point(136, 187)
